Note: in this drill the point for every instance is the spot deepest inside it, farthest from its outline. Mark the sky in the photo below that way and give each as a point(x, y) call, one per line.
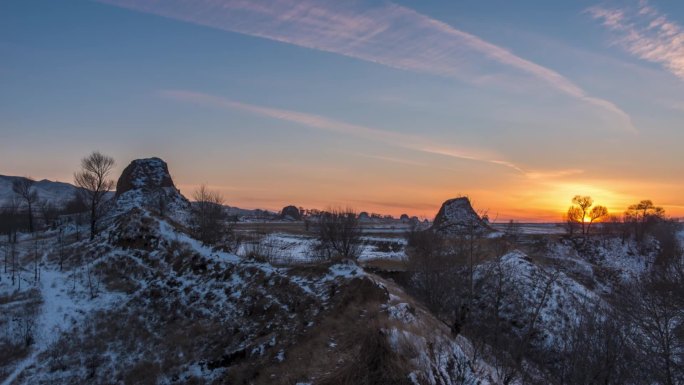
point(389, 107)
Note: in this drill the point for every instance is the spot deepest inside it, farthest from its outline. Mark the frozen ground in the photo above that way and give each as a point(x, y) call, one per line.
point(170, 276)
point(64, 302)
point(532, 228)
point(290, 248)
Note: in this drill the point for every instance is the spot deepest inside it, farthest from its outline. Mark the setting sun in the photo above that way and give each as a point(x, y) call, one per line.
point(336, 192)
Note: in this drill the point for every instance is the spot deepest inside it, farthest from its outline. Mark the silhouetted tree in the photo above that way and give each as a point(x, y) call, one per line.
point(433, 269)
point(75, 209)
point(582, 214)
point(93, 179)
point(642, 216)
point(654, 306)
point(208, 216)
point(23, 188)
point(49, 212)
point(597, 213)
point(9, 219)
point(596, 350)
point(339, 233)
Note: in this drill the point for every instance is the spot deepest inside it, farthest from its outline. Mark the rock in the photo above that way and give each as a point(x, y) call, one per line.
point(146, 174)
point(457, 217)
point(147, 183)
point(290, 213)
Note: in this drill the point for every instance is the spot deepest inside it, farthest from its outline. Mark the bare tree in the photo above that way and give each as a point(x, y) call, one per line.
point(93, 179)
point(49, 212)
point(23, 187)
point(531, 324)
point(26, 326)
point(433, 270)
point(75, 208)
point(615, 227)
point(9, 219)
point(654, 307)
point(60, 244)
point(596, 349)
point(339, 233)
point(13, 258)
point(582, 214)
point(5, 248)
point(93, 282)
point(208, 216)
point(36, 270)
point(597, 213)
point(642, 216)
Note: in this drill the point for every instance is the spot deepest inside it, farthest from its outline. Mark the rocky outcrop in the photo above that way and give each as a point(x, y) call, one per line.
point(145, 174)
point(290, 213)
point(148, 183)
point(457, 217)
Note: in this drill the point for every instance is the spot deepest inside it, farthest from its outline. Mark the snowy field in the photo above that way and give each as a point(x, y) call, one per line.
point(532, 228)
point(63, 300)
point(290, 248)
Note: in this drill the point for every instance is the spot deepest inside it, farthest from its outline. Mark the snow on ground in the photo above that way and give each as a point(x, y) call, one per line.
point(614, 254)
point(345, 270)
point(559, 295)
point(532, 228)
point(385, 229)
point(170, 233)
point(289, 248)
point(435, 357)
point(57, 193)
point(283, 248)
point(65, 303)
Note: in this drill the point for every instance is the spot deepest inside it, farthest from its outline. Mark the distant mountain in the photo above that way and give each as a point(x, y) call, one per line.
point(250, 214)
point(58, 193)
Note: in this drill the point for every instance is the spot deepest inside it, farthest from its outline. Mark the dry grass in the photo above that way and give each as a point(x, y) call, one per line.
point(18, 312)
point(345, 343)
point(385, 265)
point(375, 363)
point(299, 228)
point(263, 228)
point(10, 353)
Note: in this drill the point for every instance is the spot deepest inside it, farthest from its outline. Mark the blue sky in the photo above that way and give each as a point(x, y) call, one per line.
point(382, 106)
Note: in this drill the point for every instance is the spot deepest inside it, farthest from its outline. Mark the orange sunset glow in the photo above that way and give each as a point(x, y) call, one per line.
point(338, 192)
point(292, 115)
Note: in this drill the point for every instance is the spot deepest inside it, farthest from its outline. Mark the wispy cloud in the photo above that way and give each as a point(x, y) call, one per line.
point(399, 205)
point(407, 141)
point(386, 34)
point(392, 159)
point(645, 32)
point(412, 142)
point(553, 174)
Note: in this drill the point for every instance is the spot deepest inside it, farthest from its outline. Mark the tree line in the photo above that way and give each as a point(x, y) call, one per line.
point(637, 221)
point(634, 334)
point(22, 210)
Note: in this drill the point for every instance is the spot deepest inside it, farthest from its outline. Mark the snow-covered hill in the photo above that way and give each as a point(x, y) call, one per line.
point(146, 303)
point(58, 193)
